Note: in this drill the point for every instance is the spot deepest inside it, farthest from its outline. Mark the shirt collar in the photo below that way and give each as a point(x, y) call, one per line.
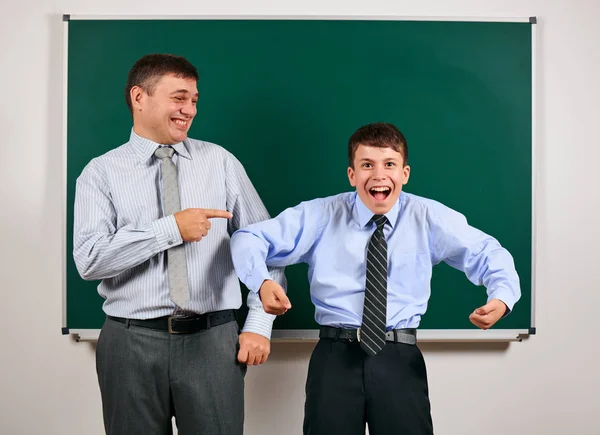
point(363, 215)
point(145, 147)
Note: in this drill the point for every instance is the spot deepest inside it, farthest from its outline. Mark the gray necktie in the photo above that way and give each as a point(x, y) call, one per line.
point(374, 321)
point(176, 263)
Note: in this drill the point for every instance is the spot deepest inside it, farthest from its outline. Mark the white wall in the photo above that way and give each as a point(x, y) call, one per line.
point(547, 385)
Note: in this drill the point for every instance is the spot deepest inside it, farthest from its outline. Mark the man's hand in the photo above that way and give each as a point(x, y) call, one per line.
point(273, 298)
point(194, 223)
point(254, 348)
point(485, 317)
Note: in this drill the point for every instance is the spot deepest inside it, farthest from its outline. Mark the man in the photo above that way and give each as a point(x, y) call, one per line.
point(152, 220)
point(370, 255)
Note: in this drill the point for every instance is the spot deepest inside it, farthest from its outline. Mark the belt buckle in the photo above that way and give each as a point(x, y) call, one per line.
point(358, 335)
point(170, 325)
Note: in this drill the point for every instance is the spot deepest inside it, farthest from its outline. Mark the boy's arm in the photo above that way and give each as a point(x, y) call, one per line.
point(480, 256)
point(281, 241)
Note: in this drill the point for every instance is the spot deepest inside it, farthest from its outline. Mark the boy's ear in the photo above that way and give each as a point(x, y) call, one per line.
point(406, 173)
point(351, 177)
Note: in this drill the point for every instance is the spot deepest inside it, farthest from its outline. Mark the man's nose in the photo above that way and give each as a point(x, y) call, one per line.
point(189, 109)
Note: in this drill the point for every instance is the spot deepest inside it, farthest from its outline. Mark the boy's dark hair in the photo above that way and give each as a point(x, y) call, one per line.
point(378, 134)
point(148, 70)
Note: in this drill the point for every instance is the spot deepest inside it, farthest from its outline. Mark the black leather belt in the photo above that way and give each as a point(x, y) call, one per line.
point(179, 324)
point(406, 335)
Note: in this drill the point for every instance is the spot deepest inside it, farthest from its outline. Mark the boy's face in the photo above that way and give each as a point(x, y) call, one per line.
point(378, 175)
point(166, 115)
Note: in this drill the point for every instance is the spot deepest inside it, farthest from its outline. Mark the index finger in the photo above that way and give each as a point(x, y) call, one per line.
point(214, 213)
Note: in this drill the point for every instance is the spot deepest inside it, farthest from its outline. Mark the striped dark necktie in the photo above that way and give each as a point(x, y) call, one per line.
point(374, 321)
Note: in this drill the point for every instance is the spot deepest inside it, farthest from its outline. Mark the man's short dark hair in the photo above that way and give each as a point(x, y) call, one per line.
point(148, 71)
point(378, 134)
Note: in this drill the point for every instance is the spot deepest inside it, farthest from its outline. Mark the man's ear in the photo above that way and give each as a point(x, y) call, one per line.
point(137, 95)
point(351, 177)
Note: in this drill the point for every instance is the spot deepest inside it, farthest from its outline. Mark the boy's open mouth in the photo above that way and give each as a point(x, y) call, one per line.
point(380, 193)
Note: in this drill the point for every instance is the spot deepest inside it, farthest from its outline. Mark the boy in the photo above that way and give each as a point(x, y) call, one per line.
point(370, 255)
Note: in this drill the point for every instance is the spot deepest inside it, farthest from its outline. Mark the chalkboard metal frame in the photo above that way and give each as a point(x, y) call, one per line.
point(283, 335)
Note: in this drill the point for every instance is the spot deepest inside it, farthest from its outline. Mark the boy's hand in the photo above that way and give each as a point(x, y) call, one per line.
point(485, 317)
point(273, 298)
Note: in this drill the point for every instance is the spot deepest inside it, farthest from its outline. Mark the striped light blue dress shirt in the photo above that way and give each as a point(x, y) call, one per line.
point(331, 235)
point(121, 235)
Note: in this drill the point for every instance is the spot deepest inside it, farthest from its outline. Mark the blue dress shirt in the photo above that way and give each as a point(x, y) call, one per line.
point(331, 235)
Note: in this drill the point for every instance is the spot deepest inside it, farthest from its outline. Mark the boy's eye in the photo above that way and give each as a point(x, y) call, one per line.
point(366, 165)
point(391, 164)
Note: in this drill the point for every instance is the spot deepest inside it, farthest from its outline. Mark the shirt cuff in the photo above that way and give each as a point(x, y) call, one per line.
point(167, 233)
point(506, 296)
point(256, 278)
point(259, 322)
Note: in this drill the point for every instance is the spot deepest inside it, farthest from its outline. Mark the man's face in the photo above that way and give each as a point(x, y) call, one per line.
point(378, 175)
point(165, 116)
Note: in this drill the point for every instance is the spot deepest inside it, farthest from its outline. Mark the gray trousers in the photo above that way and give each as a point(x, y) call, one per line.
point(146, 377)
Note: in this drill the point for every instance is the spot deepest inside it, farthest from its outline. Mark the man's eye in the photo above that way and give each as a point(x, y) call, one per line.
point(366, 165)
point(391, 164)
point(179, 98)
point(194, 102)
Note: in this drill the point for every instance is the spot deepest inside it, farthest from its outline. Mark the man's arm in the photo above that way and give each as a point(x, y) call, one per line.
point(99, 249)
point(247, 208)
point(481, 257)
point(102, 251)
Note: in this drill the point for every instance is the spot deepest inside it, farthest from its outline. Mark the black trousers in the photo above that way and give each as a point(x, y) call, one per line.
point(346, 389)
point(146, 377)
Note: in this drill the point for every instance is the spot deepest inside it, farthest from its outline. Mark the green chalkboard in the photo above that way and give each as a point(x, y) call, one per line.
point(285, 95)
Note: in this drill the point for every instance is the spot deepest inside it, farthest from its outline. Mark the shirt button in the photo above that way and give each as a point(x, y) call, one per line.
point(170, 242)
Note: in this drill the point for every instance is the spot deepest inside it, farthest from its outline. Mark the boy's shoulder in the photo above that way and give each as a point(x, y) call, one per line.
point(426, 204)
point(343, 200)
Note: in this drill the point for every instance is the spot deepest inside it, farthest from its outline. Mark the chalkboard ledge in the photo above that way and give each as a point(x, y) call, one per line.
point(424, 335)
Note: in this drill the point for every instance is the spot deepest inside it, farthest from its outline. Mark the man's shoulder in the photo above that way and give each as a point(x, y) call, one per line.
point(201, 147)
point(118, 154)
